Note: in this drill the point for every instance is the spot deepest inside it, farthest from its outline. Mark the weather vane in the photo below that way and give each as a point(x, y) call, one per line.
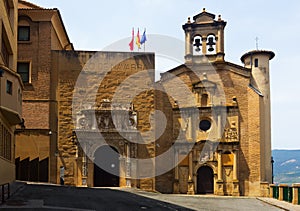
point(256, 39)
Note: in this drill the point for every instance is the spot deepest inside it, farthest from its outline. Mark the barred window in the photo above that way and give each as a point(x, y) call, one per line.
point(5, 143)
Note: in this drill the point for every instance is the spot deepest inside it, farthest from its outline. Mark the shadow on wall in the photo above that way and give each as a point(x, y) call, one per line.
point(33, 171)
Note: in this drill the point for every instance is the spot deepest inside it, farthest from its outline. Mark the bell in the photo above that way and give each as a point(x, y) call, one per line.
point(197, 44)
point(211, 43)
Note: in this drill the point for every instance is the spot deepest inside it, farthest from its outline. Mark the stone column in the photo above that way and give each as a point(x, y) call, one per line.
point(191, 189)
point(220, 185)
point(220, 166)
point(220, 41)
point(128, 166)
point(94, 122)
point(84, 166)
point(236, 191)
point(176, 181)
point(296, 188)
point(219, 126)
point(189, 132)
point(188, 44)
point(235, 163)
point(204, 39)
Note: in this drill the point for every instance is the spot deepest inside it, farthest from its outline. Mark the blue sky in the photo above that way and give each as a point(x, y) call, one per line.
point(94, 24)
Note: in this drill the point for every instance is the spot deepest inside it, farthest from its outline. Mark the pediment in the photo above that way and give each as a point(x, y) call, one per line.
point(204, 84)
point(204, 17)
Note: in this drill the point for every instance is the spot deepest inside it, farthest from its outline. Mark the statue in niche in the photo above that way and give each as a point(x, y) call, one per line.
point(133, 120)
point(101, 123)
point(106, 122)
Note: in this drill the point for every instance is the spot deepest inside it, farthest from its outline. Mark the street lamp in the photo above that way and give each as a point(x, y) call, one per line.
point(74, 138)
point(272, 162)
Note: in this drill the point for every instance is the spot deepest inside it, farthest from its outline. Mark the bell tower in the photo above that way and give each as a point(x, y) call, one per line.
point(204, 37)
point(259, 63)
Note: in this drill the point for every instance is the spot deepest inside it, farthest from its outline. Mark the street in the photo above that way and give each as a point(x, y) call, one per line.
point(52, 197)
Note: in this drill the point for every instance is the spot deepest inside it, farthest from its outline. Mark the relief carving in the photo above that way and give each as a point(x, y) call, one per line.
point(108, 116)
point(231, 135)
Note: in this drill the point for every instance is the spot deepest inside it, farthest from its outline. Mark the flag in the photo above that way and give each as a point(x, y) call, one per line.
point(138, 39)
point(144, 38)
point(132, 41)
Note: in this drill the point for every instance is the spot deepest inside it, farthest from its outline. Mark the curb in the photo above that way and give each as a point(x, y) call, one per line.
point(273, 204)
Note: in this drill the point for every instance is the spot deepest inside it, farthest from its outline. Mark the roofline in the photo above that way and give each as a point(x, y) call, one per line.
point(271, 54)
point(256, 90)
point(65, 31)
point(55, 11)
point(30, 4)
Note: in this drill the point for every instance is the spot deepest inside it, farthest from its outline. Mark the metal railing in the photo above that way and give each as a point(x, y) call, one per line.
point(286, 193)
point(4, 192)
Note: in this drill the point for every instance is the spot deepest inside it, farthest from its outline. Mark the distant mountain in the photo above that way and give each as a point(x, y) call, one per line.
point(286, 166)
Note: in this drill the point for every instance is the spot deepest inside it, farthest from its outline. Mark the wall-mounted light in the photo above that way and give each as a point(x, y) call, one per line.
point(74, 137)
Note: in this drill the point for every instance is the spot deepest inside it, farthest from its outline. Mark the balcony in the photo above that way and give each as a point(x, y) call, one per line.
point(10, 95)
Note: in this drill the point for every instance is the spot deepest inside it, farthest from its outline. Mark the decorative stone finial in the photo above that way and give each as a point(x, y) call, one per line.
point(219, 18)
point(189, 20)
point(204, 10)
point(204, 76)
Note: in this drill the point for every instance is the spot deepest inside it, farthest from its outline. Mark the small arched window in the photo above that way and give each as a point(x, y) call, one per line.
point(256, 62)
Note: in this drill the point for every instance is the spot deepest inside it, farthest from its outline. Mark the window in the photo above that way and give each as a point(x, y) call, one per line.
point(9, 87)
point(5, 52)
point(205, 125)
point(23, 33)
point(256, 62)
point(23, 69)
point(5, 143)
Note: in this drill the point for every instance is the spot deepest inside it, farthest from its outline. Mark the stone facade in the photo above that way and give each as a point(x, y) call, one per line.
point(11, 88)
point(203, 128)
point(45, 33)
point(70, 67)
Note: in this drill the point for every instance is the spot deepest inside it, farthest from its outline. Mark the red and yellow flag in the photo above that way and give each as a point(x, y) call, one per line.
point(138, 39)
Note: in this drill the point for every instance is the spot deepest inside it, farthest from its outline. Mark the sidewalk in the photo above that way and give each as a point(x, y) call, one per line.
point(280, 204)
point(271, 201)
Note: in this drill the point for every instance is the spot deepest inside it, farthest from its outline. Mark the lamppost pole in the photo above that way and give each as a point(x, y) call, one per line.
point(272, 162)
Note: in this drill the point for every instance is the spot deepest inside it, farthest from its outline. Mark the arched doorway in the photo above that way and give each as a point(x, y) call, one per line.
point(205, 180)
point(107, 157)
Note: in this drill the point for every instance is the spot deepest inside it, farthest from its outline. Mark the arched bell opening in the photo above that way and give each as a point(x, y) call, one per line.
point(197, 45)
point(211, 44)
